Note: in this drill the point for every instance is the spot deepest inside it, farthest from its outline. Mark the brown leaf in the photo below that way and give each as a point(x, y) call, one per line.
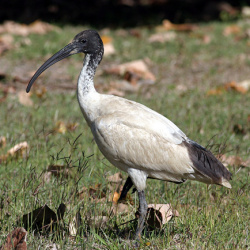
point(57, 170)
point(244, 85)
point(41, 28)
point(40, 92)
point(24, 98)
point(116, 197)
point(245, 12)
point(116, 178)
point(16, 240)
point(12, 27)
point(236, 87)
point(36, 27)
point(61, 127)
point(21, 149)
point(187, 27)
point(94, 193)
point(217, 91)
point(231, 30)
point(106, 39)
point(133, 71)
point(120, 208)
point(238, 129)
point(72, 126)
point(6, 43)
point(109, 48)
point(241, 87)
point(159, 214)
point(234, 160)
point(163, 37)
point(43, 218)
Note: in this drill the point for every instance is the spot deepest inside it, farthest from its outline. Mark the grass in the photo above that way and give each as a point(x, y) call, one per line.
point(211, 217)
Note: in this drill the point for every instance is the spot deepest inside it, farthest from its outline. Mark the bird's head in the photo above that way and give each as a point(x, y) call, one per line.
point(87, 42)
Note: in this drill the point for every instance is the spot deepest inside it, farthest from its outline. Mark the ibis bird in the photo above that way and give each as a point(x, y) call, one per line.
point(133, 137)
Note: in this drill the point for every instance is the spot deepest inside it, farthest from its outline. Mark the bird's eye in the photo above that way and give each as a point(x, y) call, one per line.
point(83, 41)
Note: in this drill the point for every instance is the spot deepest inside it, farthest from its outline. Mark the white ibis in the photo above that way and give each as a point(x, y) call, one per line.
point(131, 136)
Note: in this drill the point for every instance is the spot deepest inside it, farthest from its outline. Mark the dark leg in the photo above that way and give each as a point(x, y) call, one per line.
point(143, 207)
point(128, 184)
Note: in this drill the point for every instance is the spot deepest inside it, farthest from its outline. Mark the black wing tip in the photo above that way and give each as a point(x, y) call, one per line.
point(206, 163)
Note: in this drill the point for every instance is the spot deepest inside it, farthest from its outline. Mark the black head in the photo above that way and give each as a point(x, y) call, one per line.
point(87, 41)
point(90, 41)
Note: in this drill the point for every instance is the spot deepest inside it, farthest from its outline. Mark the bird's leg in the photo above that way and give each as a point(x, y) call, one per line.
point(128, 184)
point(143, 207)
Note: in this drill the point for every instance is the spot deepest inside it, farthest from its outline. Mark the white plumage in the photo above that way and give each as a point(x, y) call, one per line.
point(131, 136)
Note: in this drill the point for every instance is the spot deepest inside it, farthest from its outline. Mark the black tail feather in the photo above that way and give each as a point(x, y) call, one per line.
point(206, 163)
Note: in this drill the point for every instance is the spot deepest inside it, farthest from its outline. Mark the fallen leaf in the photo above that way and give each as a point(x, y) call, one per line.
point(60, 127)
point(206, 39)
point(240, 87)
point(12, 27)
point(39, 27)
point(24, 98)
point(237, 87)
point(58, 170)
point(115, 178)
point(106, 39)
point(16, 240)
point(231, 30)
point(159, 214)
point(36, 27)
point(239, 129)
point(2, 141)
point(6, 43)
point(40, 92)
point(109, 48)
point(120, 208)
point(133, 72)
point(163, 37)
point(245, 85)
point(245, 11)
point(4, 97)
point(116, 197)
point(43, 218)
point(72, 126)
point(234, 160)
point(216, 91)
point(94, 193)
point(21, 149)
point(179, 27)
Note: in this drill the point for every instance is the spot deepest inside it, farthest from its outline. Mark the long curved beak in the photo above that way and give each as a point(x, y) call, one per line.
point(70, 49)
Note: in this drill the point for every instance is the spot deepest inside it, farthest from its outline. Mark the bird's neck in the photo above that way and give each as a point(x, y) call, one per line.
point(86, 78)
point(86, 93)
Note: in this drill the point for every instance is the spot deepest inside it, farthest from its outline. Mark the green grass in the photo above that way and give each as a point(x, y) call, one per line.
point(210, 217)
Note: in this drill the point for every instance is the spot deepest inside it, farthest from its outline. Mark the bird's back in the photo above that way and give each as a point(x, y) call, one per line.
point(130, 135)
